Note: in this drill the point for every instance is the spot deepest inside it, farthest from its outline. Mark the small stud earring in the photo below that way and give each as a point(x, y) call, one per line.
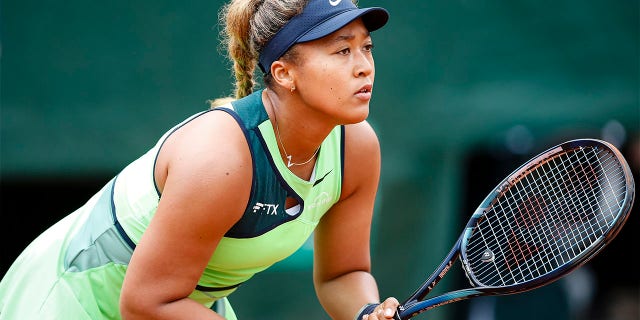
point(293, 88)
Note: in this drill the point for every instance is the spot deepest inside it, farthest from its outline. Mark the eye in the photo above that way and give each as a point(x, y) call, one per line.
point(368, 47)
point(344, 51)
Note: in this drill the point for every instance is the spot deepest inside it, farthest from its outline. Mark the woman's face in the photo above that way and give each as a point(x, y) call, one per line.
point(334, 74)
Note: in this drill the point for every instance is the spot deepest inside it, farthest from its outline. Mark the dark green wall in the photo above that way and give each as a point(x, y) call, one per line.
point(88, 86)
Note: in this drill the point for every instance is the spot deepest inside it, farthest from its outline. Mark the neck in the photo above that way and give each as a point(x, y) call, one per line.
point(295, 141)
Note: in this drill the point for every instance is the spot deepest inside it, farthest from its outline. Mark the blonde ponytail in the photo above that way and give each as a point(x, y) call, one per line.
point(248, 27)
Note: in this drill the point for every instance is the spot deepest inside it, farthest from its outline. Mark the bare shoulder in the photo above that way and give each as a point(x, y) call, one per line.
point(203, 166)
point(361, 141)
point(207, 147)
point(362, 159)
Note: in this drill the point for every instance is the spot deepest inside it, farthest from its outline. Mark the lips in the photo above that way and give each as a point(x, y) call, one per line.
point(365, 89)
point(364, 94)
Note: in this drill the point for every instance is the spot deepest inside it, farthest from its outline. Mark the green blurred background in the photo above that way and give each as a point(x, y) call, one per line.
point(465, 92)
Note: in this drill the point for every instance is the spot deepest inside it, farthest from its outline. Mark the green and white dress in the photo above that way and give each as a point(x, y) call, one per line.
point(75, 269)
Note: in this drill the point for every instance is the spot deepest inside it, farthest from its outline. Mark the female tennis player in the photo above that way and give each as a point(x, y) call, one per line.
point(233, 189)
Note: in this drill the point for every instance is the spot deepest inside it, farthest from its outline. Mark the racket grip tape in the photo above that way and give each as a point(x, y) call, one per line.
point(366, 309)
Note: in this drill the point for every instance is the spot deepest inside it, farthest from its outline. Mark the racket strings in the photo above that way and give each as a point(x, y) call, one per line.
point(547, 217)
point(562, 230)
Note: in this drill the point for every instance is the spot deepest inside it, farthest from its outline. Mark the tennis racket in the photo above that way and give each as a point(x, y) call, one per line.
point(547, 218)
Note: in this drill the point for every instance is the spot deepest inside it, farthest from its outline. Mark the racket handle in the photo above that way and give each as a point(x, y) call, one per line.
point(397, 315)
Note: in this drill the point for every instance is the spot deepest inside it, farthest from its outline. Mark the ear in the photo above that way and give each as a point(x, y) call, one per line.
point(282, 75)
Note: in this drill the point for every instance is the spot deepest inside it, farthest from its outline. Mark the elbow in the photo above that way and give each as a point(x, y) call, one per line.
point(132, 306)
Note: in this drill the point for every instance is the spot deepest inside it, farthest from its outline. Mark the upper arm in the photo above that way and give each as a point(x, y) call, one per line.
point(204, 173)
point(342, 237)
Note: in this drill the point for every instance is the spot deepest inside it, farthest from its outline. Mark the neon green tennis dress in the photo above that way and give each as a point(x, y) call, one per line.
point(75, 269)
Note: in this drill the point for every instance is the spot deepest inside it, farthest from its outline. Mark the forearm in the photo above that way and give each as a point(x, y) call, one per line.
point(343, 296)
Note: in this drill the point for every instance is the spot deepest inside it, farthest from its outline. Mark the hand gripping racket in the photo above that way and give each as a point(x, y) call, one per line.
point(547, 218)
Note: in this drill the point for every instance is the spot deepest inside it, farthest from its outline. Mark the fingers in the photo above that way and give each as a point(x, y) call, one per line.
point(379, 314)
point(386, 310)
point(391, 303)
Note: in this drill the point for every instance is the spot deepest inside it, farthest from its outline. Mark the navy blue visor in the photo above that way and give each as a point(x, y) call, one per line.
point(319, 18)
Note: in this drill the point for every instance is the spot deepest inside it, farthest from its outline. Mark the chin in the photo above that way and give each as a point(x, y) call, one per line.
point(357, 116)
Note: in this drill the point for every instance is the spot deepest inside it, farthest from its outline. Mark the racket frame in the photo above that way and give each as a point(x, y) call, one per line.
point(416, 303)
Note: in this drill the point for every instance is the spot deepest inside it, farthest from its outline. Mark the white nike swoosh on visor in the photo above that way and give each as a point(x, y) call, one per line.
point(335, 2)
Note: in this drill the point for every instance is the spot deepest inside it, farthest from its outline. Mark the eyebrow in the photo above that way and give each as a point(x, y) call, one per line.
point(346, 37)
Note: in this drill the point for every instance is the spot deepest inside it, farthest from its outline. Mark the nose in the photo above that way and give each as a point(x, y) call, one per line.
point(364, 65)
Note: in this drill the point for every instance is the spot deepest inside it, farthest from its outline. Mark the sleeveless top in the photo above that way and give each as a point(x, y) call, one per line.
point(265, 234)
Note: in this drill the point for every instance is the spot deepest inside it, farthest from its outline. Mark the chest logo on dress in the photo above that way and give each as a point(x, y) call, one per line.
point(266, 208)
point(320, 200)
